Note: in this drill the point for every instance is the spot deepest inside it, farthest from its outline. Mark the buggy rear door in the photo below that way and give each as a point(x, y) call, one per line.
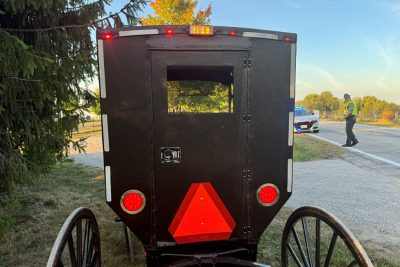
point(199, 100)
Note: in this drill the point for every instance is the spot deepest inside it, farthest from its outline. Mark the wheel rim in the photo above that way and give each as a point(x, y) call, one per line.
point(313, 237)
point(78, 242)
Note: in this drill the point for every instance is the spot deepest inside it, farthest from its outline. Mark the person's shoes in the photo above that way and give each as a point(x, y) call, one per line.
point(354, 143)
point(346, 145)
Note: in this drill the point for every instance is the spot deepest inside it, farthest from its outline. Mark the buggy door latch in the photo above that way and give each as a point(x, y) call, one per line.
point(170, 154)
point(246, 118)
point(247, 62)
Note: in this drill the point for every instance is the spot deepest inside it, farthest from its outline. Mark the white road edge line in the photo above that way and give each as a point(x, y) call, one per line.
point(359, 151)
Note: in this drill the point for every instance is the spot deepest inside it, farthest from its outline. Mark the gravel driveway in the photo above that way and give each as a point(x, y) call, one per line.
point(363, 193)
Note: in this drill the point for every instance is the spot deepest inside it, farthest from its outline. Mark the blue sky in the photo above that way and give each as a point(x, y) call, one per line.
point(348, 46)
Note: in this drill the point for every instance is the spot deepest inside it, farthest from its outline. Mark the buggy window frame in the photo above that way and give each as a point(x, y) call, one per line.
point(207, 76)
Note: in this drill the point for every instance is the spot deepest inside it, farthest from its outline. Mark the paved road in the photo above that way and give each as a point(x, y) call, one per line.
point(381, 142)
point(362, 192)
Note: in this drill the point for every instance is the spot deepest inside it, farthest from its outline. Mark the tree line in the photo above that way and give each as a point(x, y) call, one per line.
point(370, 108)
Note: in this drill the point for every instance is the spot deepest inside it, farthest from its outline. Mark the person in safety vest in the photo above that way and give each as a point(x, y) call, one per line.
point(350, 117)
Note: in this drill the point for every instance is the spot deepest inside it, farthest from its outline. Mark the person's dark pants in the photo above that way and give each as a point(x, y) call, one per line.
point(351, 138)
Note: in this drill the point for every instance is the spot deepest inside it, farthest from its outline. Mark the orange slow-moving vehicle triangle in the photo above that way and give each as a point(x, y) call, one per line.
point(201, 217)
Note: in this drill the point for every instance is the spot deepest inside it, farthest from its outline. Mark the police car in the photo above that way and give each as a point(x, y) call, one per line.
point(304, 121)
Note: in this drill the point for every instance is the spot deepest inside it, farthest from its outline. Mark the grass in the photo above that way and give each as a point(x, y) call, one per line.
point(31, 217)
point(270, 245)
point(380, 123)
point(307, 148)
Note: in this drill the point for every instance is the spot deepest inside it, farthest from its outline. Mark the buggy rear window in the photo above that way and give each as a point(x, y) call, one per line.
point(200, 89)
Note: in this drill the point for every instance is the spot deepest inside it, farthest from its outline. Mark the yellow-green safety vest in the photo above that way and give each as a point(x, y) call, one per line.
point(355, 110)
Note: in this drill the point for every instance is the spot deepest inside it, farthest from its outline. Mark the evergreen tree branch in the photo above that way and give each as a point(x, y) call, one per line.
point(125, 10)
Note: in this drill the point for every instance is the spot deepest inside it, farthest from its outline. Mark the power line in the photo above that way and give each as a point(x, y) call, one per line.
point(96, 23)
point(370, 53)
point(369, 62)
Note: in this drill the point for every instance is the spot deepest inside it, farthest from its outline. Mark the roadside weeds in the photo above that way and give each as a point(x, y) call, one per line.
point(307, 148)
point(37, 212)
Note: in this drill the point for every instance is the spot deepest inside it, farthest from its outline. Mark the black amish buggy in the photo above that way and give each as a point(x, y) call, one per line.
point(197, 126)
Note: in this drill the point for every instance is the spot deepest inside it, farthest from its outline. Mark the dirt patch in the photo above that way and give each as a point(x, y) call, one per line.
point(94, 144)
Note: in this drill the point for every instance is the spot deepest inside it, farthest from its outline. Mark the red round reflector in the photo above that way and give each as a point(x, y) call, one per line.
point(287, 39)
point(232, 33)
point(267, 194)
point(106, 36)
point(170, 32)
point(133, 201)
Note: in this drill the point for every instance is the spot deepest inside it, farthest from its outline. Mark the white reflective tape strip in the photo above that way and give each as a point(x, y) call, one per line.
point(261, 35)
point(106, 144)
point(108, 183)
point(292, 70)
point(291, 125)
point(138, 32)
point(100, 54)
point(289, 175)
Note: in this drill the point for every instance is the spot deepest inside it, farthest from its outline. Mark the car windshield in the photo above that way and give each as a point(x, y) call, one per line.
point(302, 112)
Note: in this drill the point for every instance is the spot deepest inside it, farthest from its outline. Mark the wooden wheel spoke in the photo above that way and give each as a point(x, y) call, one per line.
point(90, 250)
point(79, 243)
point(307, 240)
point(326, 238)
point(317, 242)
point(60, 263)
point(86, 243)
point(331, 248)
point(300, 247)
point(83, 244)
point(352, 264)
point(95, 259)
point(71, 249)
point(296, 259)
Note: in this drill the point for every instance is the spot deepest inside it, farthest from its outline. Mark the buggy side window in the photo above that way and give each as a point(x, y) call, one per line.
point(200, 89)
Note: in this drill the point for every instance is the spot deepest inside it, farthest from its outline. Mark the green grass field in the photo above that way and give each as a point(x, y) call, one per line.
point(307, 148)
point(31, 216)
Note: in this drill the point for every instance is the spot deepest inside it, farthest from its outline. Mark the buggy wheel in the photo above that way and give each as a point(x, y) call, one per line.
point(78, 242)
point(313, 237)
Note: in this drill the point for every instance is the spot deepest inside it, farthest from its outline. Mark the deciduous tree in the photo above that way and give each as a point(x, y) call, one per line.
point(370, 107)
point(329, 102)
point(178, 12)
point(312, 102)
